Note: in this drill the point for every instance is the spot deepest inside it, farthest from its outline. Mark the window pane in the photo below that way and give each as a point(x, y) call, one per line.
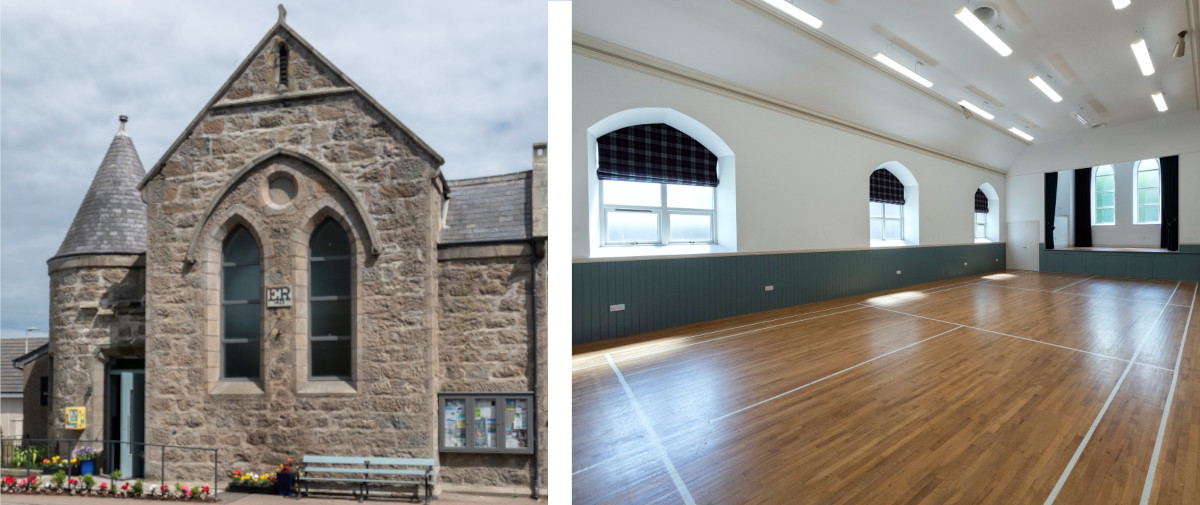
point(892, 211)
point(1148, 179)
point(892, 229)
point(485, 423)
point(1104, 200)
point(980, 231)
point(330, 359)
point(691, 228)
point(632, 226)
point(980, 218)
point(240, 283)
point(645, 194)
point(456, 423)
point(329, 318)
point(329, 240)
point(330, 278)
point(240, 321)
point(240, 247)
point(1104, 170)
point(876, 229)
point(690, 197)
point(516, 431)
point(1148, 214)
point(1104, 216)
point(876, 209)
point(241, 360)
point(1146, 196)
point(1104, 183)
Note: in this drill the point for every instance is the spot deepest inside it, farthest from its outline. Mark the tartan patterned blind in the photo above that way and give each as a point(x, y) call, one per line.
point(981, 202)
point(886, 188)
point(655, 153)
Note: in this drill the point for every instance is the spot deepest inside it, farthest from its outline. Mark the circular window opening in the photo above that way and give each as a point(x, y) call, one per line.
point(281, 189)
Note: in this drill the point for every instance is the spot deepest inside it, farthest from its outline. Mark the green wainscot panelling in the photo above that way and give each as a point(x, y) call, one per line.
point(664, 293)
point(1182, 265)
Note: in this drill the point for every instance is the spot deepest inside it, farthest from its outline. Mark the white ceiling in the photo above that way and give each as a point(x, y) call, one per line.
point(1081, 46)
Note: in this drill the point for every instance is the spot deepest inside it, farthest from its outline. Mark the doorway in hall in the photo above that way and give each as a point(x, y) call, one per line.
point(125, 415)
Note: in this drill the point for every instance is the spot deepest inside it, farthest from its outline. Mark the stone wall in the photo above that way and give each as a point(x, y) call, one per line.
point(485, 346)
point(96, 309)
point(350, 163)
point(36, 415)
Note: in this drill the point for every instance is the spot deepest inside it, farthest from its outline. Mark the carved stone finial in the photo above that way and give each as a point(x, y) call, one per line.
point(282, 15)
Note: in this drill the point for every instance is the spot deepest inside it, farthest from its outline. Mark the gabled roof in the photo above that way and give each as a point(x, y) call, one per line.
point(490, 208)
point(13, 357)
point(281, 26)
point(112, 217)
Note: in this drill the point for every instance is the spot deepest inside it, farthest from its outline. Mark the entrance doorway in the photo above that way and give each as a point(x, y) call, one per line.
point(126, 414)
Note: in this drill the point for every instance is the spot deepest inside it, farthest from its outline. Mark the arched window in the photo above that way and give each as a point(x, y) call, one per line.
point(887, 207)
point(241, 316)
point(981, 215)
point(329, 303)
point(1146, 205)
point(1104, 200)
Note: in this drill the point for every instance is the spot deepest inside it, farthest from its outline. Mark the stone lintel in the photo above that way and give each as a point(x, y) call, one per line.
point(122, 350)
point(99, 260)
point(295, 95)
point(448, 252)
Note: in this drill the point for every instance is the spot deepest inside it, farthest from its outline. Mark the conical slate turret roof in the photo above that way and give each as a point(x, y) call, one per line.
point(112, 217)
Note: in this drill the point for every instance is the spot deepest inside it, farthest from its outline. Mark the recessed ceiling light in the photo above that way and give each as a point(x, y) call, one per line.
point(1021, 134)
point(971, 107)
point(1050, 93)
point(1120, 4)
point(968, 18)
point(1159, 102)
point(795, 12)
point(902, 70)
point(1143, 56)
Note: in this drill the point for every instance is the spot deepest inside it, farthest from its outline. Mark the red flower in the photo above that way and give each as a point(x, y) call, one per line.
point(205, 489)
point(237, 472)
point(103, 486)
point(125, 487)
point(73, 481)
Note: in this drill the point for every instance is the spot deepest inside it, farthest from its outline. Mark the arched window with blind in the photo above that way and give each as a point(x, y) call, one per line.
point(657, 187)
point(887, 207)
point(241, 313)
point(981, 215)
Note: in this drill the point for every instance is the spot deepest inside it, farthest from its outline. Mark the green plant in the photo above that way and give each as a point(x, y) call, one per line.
point(85, 453)
point(88, 482)
point(59, 478)
point(178, 489)
point(30, 455)
point(116, 476)
point(137, 488)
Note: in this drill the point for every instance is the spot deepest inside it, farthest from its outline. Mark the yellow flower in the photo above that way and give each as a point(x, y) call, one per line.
point(74, 460)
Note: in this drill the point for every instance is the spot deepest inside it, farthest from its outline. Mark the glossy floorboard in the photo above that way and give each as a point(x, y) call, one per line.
point(1018, 387)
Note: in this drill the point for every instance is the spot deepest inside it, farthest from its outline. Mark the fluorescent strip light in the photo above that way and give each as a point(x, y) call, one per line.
point(795, 12)
point(1081, 120)
point(968, 18)
point(902, 70)
point(971, 107)
point(1159, 102)
point(1143, 56)
point(1120, 4)
point(1020, 133)
point(1050, 93)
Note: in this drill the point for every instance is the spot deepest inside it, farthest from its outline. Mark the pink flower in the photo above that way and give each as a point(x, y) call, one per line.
point(21, 483)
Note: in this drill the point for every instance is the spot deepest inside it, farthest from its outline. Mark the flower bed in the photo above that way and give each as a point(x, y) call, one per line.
point(86, 486)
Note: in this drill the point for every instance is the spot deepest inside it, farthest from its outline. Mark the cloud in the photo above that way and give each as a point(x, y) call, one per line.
point(468, 77)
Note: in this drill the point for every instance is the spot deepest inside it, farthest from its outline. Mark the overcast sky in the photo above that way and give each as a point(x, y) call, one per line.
point(469, 78)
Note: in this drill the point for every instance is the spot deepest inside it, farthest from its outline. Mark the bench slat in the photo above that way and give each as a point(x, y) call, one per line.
point(355, 460)
point(329, 479)
point(369, 471)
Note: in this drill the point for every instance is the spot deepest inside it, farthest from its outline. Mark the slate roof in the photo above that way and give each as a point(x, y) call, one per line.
point(112, 217)
point(489, 208)
point(11, 379)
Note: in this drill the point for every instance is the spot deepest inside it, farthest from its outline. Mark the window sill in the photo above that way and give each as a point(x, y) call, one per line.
point(237, 388)
point(326, 388)
point(983, 241)
point(1147, 224)
point(658, 250)
point(889, 243)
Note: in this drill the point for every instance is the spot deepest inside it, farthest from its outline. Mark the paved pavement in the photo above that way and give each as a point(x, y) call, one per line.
point(265, 499)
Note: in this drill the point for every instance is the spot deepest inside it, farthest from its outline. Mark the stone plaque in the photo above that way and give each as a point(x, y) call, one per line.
point(279, 297)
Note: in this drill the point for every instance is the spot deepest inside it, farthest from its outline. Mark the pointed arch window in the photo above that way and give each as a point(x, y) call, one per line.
point(329, 299)
point(241, 316)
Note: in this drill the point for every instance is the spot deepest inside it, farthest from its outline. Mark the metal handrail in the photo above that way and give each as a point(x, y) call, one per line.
point(72, 442)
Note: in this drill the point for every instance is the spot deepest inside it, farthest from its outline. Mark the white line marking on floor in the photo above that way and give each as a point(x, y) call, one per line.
point(835, 374)
point(1073, 283)
point(1162, 425)
point(1074, 294)
point(1020, 337)
point(662, 452)
point(1086, 438)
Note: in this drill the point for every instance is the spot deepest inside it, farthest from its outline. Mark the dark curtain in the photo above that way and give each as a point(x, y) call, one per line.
point(655, 153)
point(1051, 196)
point(1169, 237)
point(1083, 207)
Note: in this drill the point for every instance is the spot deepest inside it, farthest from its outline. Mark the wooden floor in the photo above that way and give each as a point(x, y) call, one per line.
point(1012, 388)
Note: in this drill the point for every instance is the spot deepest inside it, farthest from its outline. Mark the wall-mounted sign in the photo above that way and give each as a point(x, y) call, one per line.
point(76, 418)
point(279, 297)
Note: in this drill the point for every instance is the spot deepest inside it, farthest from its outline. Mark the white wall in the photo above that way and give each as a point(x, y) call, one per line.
point(1167, 135)
point(800, 185)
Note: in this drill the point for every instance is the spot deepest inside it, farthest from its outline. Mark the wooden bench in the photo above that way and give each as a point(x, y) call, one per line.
point(365, 471)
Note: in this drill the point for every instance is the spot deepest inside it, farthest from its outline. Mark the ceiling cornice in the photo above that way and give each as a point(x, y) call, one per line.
point(608, 52)
point(849, 52)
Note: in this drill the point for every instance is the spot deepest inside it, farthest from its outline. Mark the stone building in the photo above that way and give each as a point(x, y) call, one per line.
point(296, 276)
